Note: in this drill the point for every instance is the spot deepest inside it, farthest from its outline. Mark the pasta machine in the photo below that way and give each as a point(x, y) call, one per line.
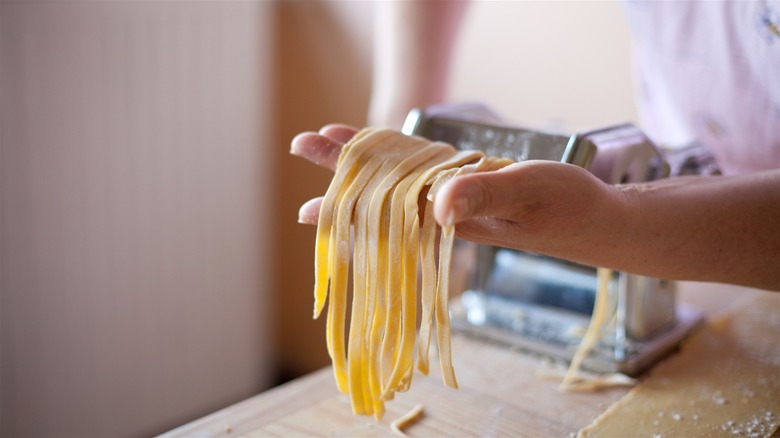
point(540, 303)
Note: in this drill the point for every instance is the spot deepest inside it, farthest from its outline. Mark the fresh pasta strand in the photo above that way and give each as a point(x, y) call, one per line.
point(442, 307)
point(409, 417)
point(588, 382)
point(364, 297)
point(339, 256)
point(375, 265)
point(348, 163)
point(342, 241)
point(376, 190)
point(591, 337)
point(407, 259)
point(402, 299)
point(428, 295)
point(438, 301)
point(364, 252)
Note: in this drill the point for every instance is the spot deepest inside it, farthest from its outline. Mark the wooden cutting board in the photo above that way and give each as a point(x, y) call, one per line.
point(499, 395)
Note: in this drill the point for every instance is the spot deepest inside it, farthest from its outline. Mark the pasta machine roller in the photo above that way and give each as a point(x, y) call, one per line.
point(540, 303)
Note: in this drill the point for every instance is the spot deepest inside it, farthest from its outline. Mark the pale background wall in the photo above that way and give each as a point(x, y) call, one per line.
point(151, 266)
point(561, 64)
point(323, 72)
point(135, 263)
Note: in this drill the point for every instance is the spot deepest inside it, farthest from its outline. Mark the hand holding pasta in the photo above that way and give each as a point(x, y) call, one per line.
point(379, 178)
point(540, 206)
point(391, 187)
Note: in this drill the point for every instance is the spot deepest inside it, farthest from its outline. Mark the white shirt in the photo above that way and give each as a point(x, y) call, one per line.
point(709, 72)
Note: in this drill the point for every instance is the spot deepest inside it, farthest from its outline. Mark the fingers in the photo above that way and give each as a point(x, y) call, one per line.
point(318, 149)
point(309, 212)
point(322, 148)
point(492, 194)
point(338, 132)
point(540, 206)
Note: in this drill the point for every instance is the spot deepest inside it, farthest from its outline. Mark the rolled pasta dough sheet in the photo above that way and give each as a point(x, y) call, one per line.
point(725, 381)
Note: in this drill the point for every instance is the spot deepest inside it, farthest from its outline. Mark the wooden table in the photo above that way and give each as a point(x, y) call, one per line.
point(499, 395)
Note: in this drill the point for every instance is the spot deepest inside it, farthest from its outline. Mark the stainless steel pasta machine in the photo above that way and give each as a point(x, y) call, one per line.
point(544, 304)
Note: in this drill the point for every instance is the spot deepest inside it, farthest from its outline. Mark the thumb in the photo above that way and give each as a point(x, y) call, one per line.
point(496, 194)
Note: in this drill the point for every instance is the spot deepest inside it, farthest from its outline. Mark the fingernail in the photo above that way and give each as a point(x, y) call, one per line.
point(304, 217)
point(459, 209)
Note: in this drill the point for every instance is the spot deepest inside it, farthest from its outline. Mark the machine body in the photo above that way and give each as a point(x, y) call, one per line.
point(541, 303)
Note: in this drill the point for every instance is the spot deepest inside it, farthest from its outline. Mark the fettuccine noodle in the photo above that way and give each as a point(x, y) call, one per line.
point(377, 187)
point(380, 180)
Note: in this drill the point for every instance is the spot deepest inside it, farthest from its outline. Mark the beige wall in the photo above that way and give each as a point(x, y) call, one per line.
point(136, 225)
point(323, 63)
point(152, 266)
point(561, 64)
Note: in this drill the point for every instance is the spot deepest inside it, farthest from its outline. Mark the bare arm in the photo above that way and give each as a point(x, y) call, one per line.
point(412, 50)
point(724, 229)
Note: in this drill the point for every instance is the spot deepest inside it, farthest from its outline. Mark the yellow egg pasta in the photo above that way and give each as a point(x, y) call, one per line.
point(603, 313)
point(377, 219)
point(397, 425)
point(371, 219)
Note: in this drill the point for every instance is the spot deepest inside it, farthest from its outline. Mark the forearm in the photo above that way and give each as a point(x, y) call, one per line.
point(724, 229)
point(412, 51)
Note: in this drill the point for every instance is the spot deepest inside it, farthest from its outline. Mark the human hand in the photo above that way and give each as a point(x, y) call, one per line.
point(541, 206)
point(695, 228)
point(321, 148)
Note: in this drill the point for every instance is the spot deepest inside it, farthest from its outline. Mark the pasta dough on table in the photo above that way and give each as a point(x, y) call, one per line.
point(723, 382)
